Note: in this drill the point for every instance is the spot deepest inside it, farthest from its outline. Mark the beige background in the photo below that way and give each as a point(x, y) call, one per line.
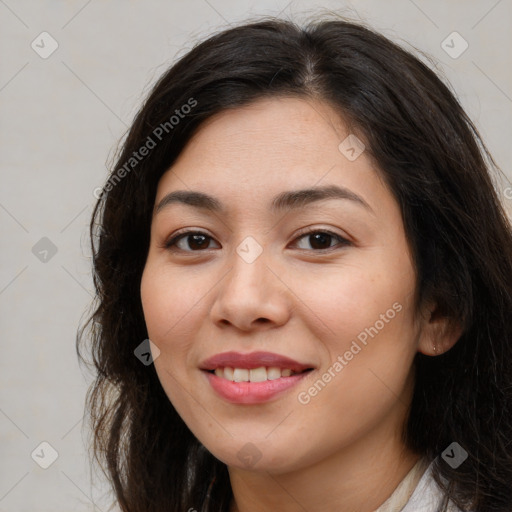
point(60, 119)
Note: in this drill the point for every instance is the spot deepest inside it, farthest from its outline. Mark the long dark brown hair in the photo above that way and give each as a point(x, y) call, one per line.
point(437, 167)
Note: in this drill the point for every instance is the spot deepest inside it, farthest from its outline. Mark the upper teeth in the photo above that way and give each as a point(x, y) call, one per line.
point(260, 374)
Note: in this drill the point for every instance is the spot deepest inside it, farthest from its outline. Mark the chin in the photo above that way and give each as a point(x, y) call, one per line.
point(259, 455)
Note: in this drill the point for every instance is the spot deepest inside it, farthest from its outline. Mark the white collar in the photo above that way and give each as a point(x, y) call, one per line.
point(405, 489)
point(417, 492)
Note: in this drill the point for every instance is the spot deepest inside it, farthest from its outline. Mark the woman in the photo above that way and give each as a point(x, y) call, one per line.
point(286, 373)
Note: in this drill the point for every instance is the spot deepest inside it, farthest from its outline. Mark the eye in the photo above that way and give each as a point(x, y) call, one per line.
point(321, 239)
point(195, 241)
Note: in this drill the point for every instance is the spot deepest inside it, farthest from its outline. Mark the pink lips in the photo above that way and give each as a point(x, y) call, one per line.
point(252, 392)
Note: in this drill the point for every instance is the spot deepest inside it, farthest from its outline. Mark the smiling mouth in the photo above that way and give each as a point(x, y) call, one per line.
point(260, 374)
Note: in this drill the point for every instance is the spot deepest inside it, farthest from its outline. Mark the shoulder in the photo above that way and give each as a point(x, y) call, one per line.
point(427, 496)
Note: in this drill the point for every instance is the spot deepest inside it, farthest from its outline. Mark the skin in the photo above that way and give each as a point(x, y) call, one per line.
point(342, 450)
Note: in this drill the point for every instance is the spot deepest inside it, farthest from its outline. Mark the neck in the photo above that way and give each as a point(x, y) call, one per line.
point(359, 477)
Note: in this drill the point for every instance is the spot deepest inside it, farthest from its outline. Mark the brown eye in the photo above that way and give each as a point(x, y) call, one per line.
point(322, 240)
point(193, 241)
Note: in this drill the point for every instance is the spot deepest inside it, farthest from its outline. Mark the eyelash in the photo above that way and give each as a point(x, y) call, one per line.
point(171, 244)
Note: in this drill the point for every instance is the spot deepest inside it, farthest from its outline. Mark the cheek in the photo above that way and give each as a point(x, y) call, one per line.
point(356, 299)
point(169, 312)
point(364, 315)
point(373, 336)
point(170, 304)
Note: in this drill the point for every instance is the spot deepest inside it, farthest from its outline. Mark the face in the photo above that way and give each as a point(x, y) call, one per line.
point(318, 287)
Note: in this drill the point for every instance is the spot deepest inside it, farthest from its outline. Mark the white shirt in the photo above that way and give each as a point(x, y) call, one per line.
point(417, 492)
point(427, 497)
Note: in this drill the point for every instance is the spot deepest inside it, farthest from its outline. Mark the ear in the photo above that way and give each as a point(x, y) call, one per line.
point(438, 333)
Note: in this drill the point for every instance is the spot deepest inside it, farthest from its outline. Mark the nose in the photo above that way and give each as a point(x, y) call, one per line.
point(252, 296)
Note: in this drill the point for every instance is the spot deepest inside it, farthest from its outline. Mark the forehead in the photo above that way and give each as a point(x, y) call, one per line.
point(270, 145)
point(279, 128)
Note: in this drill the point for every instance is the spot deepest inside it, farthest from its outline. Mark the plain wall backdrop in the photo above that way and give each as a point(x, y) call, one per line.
point(62, 111)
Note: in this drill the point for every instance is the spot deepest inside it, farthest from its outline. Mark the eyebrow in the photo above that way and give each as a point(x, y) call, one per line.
point(289, 200)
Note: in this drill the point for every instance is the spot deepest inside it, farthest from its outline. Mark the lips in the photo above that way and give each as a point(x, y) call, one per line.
point(253, 360)
point(252, 378)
